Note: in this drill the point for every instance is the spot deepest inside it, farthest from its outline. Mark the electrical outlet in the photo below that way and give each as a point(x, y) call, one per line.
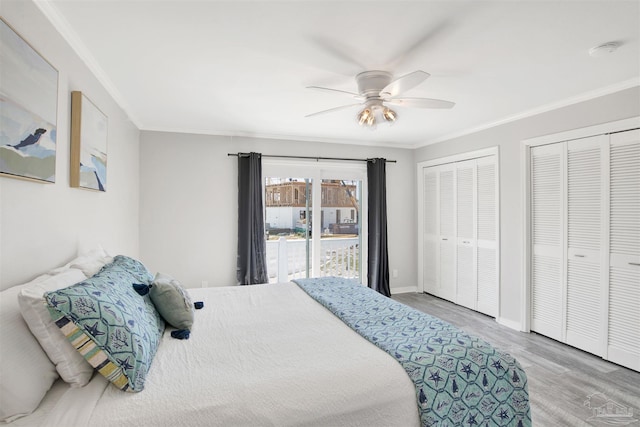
point(205, 284)
point(394, 273)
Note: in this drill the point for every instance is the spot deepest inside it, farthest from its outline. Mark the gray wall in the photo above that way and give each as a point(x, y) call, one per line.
point(185, 186)
point(188, 205)
point(45, 225)
point(508, 137)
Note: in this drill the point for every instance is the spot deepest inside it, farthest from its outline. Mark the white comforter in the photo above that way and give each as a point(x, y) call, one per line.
point(258, 356)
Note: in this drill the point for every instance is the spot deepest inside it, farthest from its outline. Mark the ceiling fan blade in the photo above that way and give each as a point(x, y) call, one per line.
point(327, 89)
point(420, 102)
point(418, 45)
point(342, 56)
point(330, 110)
point(404, 83)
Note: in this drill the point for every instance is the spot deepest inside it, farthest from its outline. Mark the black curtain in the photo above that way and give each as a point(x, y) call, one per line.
point(252, 260)
point(378, 263)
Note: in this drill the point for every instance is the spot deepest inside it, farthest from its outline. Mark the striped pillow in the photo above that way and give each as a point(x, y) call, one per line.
point(116, 330)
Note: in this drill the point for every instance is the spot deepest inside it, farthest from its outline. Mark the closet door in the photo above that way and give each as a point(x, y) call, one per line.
point(431, 221)
point(623, 337)
point(585, 226)
point(547, 235)
point(460, 232)
point(487, 236)
point(447, 231)
point(466, 292)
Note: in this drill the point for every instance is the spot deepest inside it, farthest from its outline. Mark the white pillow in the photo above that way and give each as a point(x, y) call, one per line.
point(72, 367)
point(89, 262)
point(90, 266)
point(26, 373)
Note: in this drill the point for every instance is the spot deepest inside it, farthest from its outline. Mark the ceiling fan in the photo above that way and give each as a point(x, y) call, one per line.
point(377, 90)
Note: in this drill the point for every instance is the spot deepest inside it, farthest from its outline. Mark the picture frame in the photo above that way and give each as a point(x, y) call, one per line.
point(28, 110)
point(89, 126)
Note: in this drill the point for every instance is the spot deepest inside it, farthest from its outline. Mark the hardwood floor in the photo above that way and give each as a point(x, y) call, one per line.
point(561, 378)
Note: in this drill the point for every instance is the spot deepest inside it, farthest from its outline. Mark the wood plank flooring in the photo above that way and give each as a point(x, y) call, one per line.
point(561, 378)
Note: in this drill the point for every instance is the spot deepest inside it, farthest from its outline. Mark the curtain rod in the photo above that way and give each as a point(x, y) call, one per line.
point(311, 158)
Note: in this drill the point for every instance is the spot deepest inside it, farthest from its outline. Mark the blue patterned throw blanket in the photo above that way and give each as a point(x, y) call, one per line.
point(460, 380)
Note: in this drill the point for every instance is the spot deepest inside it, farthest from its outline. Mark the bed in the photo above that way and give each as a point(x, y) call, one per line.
point(269, 355)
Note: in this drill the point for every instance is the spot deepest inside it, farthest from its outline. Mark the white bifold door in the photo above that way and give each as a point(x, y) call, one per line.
point(623, 310)
point(585, 232)
point(547, 230)
point(460, 252)
point(585, 237)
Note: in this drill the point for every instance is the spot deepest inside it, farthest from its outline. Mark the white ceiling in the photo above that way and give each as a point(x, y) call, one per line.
point(241, 67)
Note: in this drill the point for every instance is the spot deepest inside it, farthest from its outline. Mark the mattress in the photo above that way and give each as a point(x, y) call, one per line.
point(257, 355)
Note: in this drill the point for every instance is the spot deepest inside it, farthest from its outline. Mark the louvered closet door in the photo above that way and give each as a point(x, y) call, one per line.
point(487, 236)
point(624, 268)
point(585, 226)
point(466, 292)
point(547, 233)
point(447, 231)
point(431, 212)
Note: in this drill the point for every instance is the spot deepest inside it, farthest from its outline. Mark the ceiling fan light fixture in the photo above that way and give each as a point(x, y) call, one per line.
point(389, 115)
point(371, 120)
point(365, 117)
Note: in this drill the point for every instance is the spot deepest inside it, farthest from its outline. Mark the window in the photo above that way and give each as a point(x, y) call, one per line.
point(328, 192)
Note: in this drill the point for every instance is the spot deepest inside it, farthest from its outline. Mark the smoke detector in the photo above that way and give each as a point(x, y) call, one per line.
point(604, 49)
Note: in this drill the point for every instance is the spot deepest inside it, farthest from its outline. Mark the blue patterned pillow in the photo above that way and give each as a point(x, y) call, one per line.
point(115, 329)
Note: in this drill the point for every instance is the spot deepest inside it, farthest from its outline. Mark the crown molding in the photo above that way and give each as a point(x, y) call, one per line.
point(64, 28)
point(299, 138)
point(607, 90)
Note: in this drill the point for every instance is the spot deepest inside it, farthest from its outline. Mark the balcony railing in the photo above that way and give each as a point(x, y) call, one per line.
point(286, 259)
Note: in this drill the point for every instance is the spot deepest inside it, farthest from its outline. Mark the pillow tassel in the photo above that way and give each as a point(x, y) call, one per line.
point(181, 334)
point(141, 288)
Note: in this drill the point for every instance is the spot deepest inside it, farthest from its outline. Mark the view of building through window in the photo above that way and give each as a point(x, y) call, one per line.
point(289, 226)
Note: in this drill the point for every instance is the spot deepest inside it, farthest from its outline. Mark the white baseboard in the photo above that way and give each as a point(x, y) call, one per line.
point(509, 323)
point(404, 290)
